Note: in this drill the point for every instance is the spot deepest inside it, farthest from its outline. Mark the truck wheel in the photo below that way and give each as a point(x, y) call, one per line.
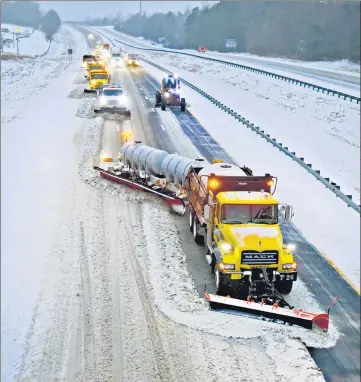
point(158, 98)
point(163, 104)
point(199, 239)
point(191, 221)
point(183, 104)
point(284, 287)
point(221, 283)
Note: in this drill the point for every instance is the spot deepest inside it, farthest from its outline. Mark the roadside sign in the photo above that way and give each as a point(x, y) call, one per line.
point(70, 51)
point(231, 43)
point(70, 54)
point(17, 30)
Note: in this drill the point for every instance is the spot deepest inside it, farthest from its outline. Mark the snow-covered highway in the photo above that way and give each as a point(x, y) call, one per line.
point(100, 282)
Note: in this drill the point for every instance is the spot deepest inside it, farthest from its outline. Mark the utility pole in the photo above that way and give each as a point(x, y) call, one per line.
point(140, 17)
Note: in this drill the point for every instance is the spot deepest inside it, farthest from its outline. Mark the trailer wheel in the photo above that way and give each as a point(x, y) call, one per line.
point(183, 104)
point(191, 221)
point(284, 287)
point(199, 239)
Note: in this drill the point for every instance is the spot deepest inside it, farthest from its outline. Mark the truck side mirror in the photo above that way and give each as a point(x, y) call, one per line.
point(98, 92)
point(288, 212)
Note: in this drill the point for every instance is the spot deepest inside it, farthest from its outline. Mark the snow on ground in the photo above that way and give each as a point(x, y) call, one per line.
point(324, 219)
point(21, 80)
point(324, 130)
point(35, 44)
point(326, 74)
point(78, 269)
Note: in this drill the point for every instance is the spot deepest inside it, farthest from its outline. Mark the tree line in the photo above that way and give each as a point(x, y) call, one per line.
point(305, 30)
point(28, 14)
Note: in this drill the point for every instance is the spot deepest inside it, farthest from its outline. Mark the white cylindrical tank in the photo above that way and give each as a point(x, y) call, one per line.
point(158, 162)
point(175, 168)
point(142, 157)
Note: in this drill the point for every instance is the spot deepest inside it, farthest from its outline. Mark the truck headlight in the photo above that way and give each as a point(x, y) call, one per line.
point(289, 266)
point(226, 247)
point(167, 95)
point(226, 267)
point(290, 247)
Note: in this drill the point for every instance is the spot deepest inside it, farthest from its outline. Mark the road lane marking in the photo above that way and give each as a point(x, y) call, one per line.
point(153, 110)
point(338, 270)
point(145, 97)
point(162, 127)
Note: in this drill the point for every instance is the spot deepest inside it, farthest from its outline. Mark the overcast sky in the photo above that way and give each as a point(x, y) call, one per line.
point(80, 10)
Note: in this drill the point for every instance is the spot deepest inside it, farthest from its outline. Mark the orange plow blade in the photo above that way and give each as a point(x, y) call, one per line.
point(272, 313)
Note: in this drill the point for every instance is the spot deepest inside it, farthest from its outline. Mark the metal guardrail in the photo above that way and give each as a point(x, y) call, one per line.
point(258, 71)
point(332, 186)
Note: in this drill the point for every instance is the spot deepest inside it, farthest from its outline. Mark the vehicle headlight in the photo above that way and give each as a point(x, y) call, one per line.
point(103, 100)
point(177, 91)
point(291, 247)
point(226, 247)
point(167, 95)
point(292, 266)
point(227, 267)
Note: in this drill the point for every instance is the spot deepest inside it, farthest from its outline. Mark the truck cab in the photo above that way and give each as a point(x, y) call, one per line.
point(237, 216)
point(132, 59)
point(97, 79)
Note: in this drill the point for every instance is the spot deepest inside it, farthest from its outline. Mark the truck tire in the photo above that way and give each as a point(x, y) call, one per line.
point(158, 98)
point(222, 287)
point(284, 287)
point(225, 286)
point(199, 239)
point(163, 104)
point(183, 104)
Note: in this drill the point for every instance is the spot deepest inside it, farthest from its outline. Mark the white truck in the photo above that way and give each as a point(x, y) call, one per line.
point(111, 99)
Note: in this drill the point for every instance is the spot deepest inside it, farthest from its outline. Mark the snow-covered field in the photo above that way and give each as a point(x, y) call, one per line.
point(22, 79)
point(89, 289)
point(35, 44)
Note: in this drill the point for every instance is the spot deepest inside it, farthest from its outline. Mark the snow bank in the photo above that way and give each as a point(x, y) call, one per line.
point(323, 219)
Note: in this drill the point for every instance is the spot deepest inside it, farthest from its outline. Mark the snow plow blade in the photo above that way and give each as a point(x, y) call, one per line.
point(126, 113)
point(177, 204)
point(271, 313)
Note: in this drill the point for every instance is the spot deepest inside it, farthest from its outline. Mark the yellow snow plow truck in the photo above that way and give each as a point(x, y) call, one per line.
point(236, 215)
point(96, 81)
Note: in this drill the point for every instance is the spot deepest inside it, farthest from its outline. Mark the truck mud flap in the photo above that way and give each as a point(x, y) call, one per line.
point(269, 313)
point(178, 205)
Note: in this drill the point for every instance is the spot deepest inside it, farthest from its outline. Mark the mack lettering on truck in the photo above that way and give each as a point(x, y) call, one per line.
point(259, 258)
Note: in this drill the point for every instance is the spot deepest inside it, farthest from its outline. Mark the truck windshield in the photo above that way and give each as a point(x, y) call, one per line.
point(246, 213)
point(116, 55)
point(99, 77)
point(92, 67)
point(133, 56)
point(112, 92)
